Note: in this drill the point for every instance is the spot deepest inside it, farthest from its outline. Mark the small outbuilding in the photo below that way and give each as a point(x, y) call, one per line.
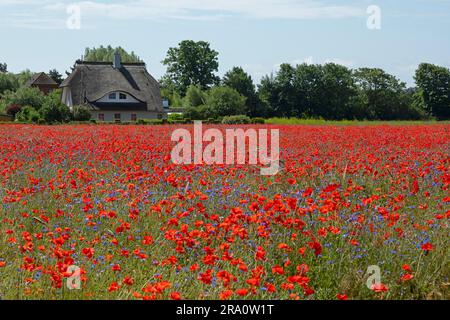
point(43, 82)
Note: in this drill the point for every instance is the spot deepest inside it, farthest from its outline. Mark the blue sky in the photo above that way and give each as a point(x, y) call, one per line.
point(255, 34)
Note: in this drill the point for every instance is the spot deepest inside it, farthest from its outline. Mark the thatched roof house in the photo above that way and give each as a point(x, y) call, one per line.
point(43, 82)
point(114, 91)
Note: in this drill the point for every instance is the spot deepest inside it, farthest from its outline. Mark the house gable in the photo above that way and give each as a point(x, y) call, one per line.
point(43, 82)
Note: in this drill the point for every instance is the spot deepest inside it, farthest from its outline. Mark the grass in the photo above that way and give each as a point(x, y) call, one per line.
point(297, 121)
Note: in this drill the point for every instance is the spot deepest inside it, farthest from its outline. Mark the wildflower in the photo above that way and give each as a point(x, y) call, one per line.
point(242, 292)
point(175, 296)
point(128, 281)
point(113, 287)
point(379, 287)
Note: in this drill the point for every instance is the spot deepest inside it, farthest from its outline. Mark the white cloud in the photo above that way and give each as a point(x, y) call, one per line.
point(181, 9)
point(343, 62)
point(45, 10)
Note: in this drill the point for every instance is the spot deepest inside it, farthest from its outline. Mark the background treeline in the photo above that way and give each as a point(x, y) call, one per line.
point(192, 86)
point(329, 91)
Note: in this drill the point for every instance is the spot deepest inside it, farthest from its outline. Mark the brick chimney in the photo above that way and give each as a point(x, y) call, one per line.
point(117, 64)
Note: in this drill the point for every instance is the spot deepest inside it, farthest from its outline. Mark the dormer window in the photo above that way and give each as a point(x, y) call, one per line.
point(118, 97)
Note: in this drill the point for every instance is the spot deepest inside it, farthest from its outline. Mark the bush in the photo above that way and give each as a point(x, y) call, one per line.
point(193, 113)
point(27, 114)
point(202, 112)
point(153, 121)
point(175, 117)
point(53, 110)
point(258, 121)
point(194, 97)
point(240, 119)
point(13, 109)
point(225, 101)
point(25, 96)
point(81, 113)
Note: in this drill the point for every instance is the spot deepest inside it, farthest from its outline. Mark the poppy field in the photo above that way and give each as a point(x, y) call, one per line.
point(108, 200)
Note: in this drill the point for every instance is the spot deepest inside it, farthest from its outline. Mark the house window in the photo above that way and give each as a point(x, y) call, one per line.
point(122, 96)
point(117, 117)
point(101, 117)
point(133, 117)
point(112, 96)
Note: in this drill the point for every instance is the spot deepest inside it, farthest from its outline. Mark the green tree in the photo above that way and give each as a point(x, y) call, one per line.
point(191, 63)
point(324, 91)
point(24, 76)
point(24, 96)
point(334, 92)
point(382, 95)
point(194, 97)
point(242, 82)
point(8, 82)
point(3, 67)
point(284, 83)
point(434, 89)
point(307, 92)
point(277, 92)
point(106, 54)
point(268, 95)
point(225, 101)
point(56, 76)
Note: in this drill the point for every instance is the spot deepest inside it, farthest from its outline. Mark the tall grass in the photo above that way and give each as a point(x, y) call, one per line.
point(298, 121)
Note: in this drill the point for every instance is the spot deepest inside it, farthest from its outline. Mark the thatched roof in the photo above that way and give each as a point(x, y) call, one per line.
point(90, 81)
point(41, 78)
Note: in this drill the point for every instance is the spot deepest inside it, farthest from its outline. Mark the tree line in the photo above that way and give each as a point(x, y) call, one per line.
point(329, 91)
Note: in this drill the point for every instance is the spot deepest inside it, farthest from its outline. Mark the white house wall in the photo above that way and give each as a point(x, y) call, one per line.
point(125, 115)
point(67, 97)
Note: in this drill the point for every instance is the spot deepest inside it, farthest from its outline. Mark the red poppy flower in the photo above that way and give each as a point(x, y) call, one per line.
point(128, 281)
point(407, 277)
point(241, 292)
point(379, 287)
point(114, 286)
point(175, 296)
point(88, 252)
point(341, 296)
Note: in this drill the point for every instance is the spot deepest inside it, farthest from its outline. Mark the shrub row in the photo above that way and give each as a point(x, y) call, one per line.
point(224, 120)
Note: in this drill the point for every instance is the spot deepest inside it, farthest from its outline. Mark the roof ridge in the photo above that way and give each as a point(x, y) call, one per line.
point(107, 63)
